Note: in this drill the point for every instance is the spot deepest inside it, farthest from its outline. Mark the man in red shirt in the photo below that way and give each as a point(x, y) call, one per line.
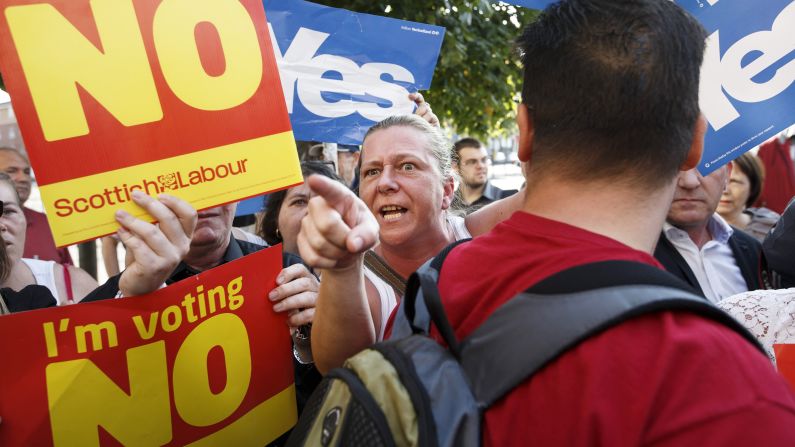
point(609, 116)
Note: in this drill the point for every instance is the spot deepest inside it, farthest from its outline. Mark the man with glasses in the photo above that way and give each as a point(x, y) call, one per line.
point(472, 164)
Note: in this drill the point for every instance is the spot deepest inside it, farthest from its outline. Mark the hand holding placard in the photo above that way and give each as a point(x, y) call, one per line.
point(424, 110)
point(296, 294)
point(156, 250)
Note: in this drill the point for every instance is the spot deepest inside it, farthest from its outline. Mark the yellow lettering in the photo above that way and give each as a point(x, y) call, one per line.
point(173, 323)
point(49, 338)
point(96, 336)
point(55, 57)
point(212, 294)
point(144, 332)
point(279, 411)
point(233, 289)
point(195, 401)
point(175, 39)
point(82, 398)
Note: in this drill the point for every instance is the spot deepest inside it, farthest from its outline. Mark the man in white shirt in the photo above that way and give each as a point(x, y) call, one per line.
point(698, 246)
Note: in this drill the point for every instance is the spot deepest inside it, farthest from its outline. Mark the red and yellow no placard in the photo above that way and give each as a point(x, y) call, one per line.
point(785, 361)
point(177, 96)
point(204, 361)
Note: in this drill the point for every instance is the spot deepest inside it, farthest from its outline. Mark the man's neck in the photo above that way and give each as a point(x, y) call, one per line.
point(610, 209)
point(410, 255)
point(205, 257)
point(471, 194)
point(699, 234)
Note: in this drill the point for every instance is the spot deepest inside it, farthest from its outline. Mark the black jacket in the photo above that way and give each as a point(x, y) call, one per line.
point(746, 252)
point(29, 298)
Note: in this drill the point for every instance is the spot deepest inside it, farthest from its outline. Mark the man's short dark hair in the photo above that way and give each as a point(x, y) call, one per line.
point(462, 144)
point(612, 88)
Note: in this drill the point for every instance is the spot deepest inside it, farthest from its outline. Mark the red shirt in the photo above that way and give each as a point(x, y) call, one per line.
point(665, 379)
point(779, 186)
point(39, 243)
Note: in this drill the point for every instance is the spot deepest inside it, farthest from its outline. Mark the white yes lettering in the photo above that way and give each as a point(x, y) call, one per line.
point(301, 66)
point(729, 76)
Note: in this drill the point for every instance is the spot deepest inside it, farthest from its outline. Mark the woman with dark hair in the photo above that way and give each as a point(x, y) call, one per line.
point(285, 209)
point(29, 298)
point(736, 203)
point(280, 225)
point(297, 291)
point(67, 283)
point(157, 248)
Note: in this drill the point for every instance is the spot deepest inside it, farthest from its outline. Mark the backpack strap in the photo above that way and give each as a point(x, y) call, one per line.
point(415, 315)
point(539, 325)
point(377, 265)
point(598, 275)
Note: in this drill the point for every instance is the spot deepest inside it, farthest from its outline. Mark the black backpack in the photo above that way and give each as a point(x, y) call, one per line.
point(410, 390)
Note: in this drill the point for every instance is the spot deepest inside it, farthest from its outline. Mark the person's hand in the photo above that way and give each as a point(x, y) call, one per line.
point(338, 226)
point(296, 294)
point(157, 248)
point(424, 109)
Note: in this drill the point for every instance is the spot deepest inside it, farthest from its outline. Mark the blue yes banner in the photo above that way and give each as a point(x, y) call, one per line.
point(342, 71)
point(748, 76)
point(532, 4)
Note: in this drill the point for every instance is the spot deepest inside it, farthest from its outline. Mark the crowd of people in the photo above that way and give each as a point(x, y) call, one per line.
point(610, 134)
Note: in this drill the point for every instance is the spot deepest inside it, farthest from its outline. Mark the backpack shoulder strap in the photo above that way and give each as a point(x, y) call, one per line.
point(598, 275)
point(422, 304)
point(378, 266)
point(539, 325)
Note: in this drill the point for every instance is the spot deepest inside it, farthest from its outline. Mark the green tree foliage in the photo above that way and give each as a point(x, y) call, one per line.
point(478, 73)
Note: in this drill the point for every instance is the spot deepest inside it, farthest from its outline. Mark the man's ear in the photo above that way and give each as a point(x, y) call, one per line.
point(456, 167)
point(449, 191)
point(526, 132)
point(697, 145)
